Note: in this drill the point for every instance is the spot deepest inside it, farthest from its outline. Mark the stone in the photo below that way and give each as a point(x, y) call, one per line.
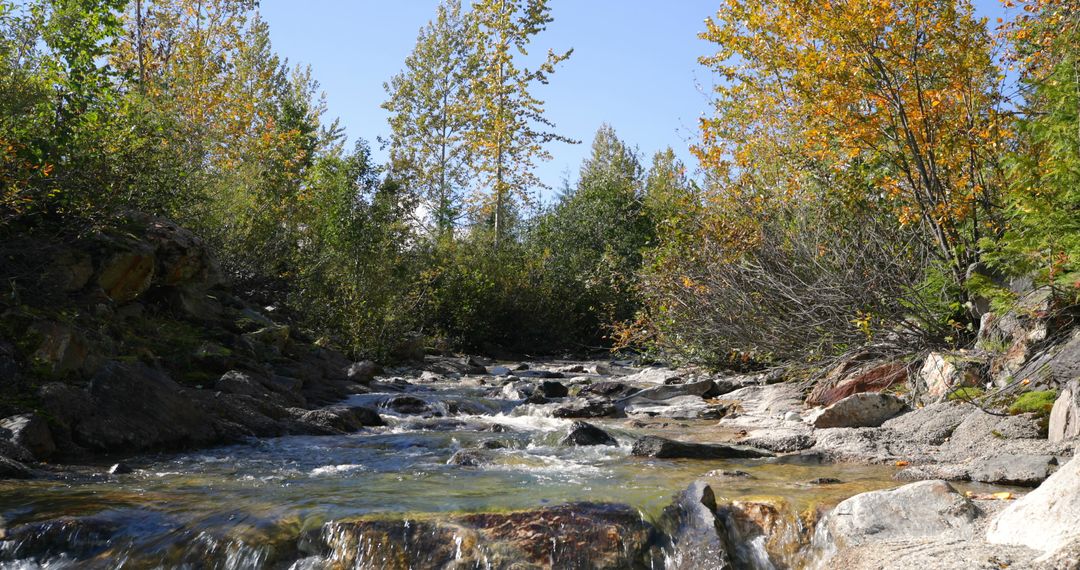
point(276, 336)
point(942, 373)
point(769, 401)
point(11, 469)
point(844, 381)
point(571, 369)
point(926, 509)
point(31, 432)
point(1046, 519)
point(63, 349)
point(867, 409)
point(467, 458)
point(653, 376)
point(499, 371)
point(575, 535)
point(701, 389)
point(341, 419)
point(517, 390)
point(697, 535)
point(183, 259)
point(536, 398)
point(1019, 470)
point(608, 389)
point(1065, 415)
point(583, 433)
point(729, 474)
point(677, 408)
point(1053, 367)
point(589, 408)
point(540, 374)
point(407, 405)
point(236, 382)
point(362, 372)
point(127, 274)
point(552, 389)
point(661, 448)
point(71, 269)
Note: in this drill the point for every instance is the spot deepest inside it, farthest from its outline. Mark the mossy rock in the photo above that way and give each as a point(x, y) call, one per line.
point(966, 393)
point(1037, 402)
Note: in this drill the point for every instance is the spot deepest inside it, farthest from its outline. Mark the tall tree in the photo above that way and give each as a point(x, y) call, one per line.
point(429, 116)
point(510, 130)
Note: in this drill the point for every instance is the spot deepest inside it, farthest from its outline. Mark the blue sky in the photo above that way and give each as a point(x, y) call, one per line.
point(634, 66)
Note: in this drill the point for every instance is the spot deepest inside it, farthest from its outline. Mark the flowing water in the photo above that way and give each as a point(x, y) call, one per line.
point(245, 506)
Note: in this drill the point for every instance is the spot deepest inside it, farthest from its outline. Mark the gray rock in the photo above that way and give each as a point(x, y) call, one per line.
point(335, 420)
point(697, 535)
point(1020, 470)
point(499, 371)
point(868, 409)
point(582, 433)
point(653, 376)
point(701, 389)
point(729, 474)
point(31, 432)
point(236, 382)
point(676, 408)
point(552, 389)
point(926, 509)
point(467, 458)
point(518, 390)
point(1065, 416)
point(362, 372)
point(781, 440)
point(661, 448)
point(407, 405)
point(11, 469)
point(590, 408)
point(608, 390)
point(540, 374)
point(1046, 519)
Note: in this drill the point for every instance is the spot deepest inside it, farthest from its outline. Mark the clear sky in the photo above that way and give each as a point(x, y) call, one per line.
point(634, 66)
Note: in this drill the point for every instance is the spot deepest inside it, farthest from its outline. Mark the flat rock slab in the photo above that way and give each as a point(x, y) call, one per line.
point(860, 410)
point(1020, 470)
point(914, 511)
point(658, 447)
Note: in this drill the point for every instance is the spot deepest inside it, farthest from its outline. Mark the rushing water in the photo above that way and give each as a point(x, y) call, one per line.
point(242, 506)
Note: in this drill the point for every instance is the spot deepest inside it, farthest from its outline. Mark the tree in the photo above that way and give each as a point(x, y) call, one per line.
point(429, 116)
point(892, 102)
point(509, 130)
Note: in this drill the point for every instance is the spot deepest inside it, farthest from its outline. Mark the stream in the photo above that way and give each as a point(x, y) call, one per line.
point(256, 505)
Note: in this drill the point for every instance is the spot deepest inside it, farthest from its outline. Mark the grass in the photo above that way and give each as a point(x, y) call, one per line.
point(966, 393)
point(1038, 402)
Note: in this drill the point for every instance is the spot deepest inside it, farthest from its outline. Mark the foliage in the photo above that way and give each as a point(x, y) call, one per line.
point(966, 393)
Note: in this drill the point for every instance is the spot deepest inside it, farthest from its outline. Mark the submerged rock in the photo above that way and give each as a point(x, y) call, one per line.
point(583, 433)
point(467, 458)
point(658, 447)
point(860, 410)
point(576, 535)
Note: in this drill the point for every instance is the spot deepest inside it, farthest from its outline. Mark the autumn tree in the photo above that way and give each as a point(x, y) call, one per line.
point(509, 129)
point(430, 113)
point(892, 104)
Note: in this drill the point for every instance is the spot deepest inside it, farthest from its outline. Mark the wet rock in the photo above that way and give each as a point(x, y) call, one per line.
point(1019, 470)
point(577, 535)
point(127, 274)
point(583, 433)
point(661, 448)
point(729, 474)
point(362, 372)
point(499, 428)
point(407, 405)
point(11, 469)
point(944, 372)
point(536, 398)
point(764, 534)
point(919, 510)
point(867, 409)
point(823, 481)
point(590, 408)
point(1065, 415)
point(31, 432)
point(342, 419)
point(540, 374)
point(852, 377)
point(609, 389)
point(499, 371)
point(1047, 519)
point(552, 389)
point(493, 444)
point(572, 369)
point(676, 408)
point(696, 534)
point(467, 458)
point(518, 390)
point(121, 469)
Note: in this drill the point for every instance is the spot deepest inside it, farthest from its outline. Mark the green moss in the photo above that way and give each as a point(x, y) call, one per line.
point(966, 393)
point(1038, 402)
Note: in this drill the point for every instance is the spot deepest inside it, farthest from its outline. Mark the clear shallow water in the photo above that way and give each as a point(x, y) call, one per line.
point(240, 500)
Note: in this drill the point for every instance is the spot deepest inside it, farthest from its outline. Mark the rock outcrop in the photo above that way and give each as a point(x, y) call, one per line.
point(1047, 519)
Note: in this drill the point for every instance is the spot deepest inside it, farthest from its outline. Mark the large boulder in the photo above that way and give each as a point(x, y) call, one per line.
point(1019, 470)
point(867, 409)
point(915, 511)
point(583, 433)
point(661, 448)
point(182, 258)
point(1065, 415)
point(1046, 519)
point(1012, 337)
point(128, 273)
point(29, 431)
point(1051, 367)
point(342, 419)
point(63, 349)
point(362, 372)
point(697, 536)
point(850, 377)
point(944, 372)
point(134, 407)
